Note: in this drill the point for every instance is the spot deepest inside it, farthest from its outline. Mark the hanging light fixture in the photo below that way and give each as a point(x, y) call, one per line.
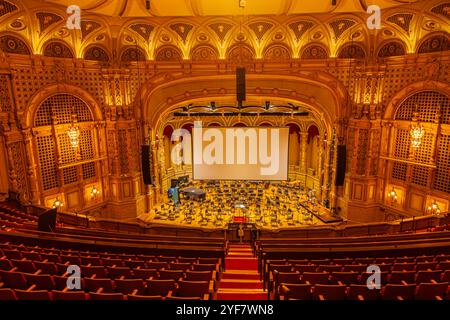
point(434, 209)
point(74, 133)
point(417, 131)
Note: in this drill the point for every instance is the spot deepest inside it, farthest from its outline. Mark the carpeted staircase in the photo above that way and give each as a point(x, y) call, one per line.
point(241, 280)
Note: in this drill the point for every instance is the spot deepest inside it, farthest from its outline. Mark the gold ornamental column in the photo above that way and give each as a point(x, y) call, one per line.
point(303, 150)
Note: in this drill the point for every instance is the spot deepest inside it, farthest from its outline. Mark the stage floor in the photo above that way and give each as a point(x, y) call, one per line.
point(268, 206)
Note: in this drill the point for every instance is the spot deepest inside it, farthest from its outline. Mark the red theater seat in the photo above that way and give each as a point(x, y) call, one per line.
point(295, 291)
point(106, 296)
point(344, 278)
point(32, 295)
point(139, 297)
point(7, 294)
point(145, 274)
point(41, 282)
point(315, 278)
point(202, 289)
point(130, 286)
point(329, 292)
point(14, 280)
point(160, 287)
point(398, 292)
point(68, 295)
point(431, 291)
point(93, 285)
point(362, 292)
point(428, 276)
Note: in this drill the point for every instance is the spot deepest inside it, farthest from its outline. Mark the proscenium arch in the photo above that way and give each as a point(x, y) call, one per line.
point(320, 93)
point(48, 91)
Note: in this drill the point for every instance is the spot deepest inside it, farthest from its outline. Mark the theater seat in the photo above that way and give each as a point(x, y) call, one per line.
point(200, 275)
point(145, 274)
point(119, 272)
point(14, 280)
point(290, 291)
point(32, 295)
point(202, 289)
point(402, 277)
point(139, 297)
point(160, 287)
point(93, 285)
point(315, 278)
point(398, 292)
point(41, 282)
point(7, 295)
point(344, 278)
point(68, 295)
point(176, 275)
point(329, 292)
point(362, 292)
point(5, 265)
point(130, 286)
point(106, 296)
point(431, 291)
point(428, 276)
point(97, 271)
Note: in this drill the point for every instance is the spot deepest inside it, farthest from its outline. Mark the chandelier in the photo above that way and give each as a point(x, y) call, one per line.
point(434, 208)
point(74, 133)
point(417, 131)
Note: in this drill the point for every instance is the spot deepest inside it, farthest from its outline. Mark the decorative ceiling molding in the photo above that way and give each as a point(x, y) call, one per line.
point(403, 20)
point(143, 29)
point(260, 28)
point(88, 26)
point(300, 27)
point(46, 19)
point(6, 7)
point(340, 26)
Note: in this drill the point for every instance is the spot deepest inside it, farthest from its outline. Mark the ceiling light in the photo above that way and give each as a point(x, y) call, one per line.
point(242, 3)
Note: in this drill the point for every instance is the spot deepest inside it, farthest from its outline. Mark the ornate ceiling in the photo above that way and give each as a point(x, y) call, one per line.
point(122, 30)
point(191, 8)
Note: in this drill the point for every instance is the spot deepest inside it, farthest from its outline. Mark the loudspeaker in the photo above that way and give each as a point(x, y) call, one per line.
point(240, 84)
point(340, 166)
point(146, 165)
point(47, 221)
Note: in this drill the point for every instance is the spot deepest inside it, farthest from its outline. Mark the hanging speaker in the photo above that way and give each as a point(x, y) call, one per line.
point(146, 165)
point(240, 84)
point(340, 166)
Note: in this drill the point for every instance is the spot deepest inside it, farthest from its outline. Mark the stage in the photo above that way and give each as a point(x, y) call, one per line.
point(266, 205)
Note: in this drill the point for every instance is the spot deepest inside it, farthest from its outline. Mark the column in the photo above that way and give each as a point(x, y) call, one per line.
point(303, 150)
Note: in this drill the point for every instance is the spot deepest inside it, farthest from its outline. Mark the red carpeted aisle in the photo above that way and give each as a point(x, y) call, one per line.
point(241, 280)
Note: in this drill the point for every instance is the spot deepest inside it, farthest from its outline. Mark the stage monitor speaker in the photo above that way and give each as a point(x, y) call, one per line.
point(240, 84)
point(146, 165)
point(47, 221)
point(340, 166)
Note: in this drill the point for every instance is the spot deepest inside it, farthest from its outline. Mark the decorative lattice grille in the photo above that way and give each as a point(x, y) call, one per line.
point(70, 175)
point(442, 177)
point(423, 152)
point(86, 146)
point(429, 104)
point(362, 150)
point(402, 144)
point(62, 107)
point(46, 150)
point(399, 171)
point(89, 170)
point(420, 175)
point(66, 151)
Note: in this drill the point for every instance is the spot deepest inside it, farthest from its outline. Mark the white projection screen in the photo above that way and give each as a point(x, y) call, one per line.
point(248, 153)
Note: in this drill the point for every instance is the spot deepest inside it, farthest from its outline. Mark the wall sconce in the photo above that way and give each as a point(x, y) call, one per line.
point(95, 192)
point(434, 209)
point(57, 204)
point(392, 196)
